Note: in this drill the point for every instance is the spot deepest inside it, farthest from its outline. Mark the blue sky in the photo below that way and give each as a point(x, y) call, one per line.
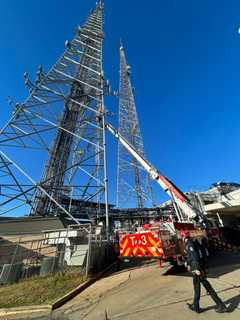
point(185, 58)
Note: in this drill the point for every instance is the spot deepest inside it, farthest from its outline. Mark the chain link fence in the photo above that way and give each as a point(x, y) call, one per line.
point(45, 254)
point(77, 248)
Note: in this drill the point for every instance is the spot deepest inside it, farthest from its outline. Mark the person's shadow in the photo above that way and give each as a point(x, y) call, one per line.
point(231, 304)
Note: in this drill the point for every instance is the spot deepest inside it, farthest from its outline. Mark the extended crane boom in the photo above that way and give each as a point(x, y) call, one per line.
point(176, 194)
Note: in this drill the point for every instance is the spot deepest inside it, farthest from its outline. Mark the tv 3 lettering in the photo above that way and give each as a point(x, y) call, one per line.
point(142, 240)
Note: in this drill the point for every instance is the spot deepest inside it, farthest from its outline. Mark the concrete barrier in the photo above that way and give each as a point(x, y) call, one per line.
point(101, 256)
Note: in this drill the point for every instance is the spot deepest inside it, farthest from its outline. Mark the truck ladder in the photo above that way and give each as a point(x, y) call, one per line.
point(168, 186)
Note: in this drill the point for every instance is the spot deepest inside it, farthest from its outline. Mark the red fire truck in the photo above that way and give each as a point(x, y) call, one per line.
point(163, 240)
point(157, 242)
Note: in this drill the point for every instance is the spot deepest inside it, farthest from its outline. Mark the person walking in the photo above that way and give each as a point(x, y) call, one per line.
point(203, 254)
point(193, 264)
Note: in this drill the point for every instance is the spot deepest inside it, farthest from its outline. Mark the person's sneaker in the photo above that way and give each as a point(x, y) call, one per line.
point(193, 308)
point(221, 309)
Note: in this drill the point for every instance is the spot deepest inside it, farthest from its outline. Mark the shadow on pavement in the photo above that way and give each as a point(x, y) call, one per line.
point(129, 264)
point(223, 263)
point(233, 303)
point(219, 264)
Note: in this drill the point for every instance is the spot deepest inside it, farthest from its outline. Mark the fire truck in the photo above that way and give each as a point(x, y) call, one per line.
point(163, 240)
point(160, 240)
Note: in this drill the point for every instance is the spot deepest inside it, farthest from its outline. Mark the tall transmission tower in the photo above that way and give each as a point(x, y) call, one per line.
point(52, 150)
point(133, 183)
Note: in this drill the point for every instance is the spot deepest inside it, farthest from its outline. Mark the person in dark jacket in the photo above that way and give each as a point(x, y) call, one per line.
point(193, 264)
point(203, 254)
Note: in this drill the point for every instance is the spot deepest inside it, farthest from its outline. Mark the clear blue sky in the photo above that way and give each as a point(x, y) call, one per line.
point(185, 58)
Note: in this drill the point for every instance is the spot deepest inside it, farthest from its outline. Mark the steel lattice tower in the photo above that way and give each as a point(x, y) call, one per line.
point(133, 183)
point(61, 128)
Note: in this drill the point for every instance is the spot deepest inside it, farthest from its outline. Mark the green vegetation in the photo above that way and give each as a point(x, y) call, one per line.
point(40, 290)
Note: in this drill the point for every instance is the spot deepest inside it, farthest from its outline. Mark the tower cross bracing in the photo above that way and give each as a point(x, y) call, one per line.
point(61, 128)
point(133, 183)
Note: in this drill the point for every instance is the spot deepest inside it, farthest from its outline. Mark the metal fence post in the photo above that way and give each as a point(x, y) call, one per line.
point(88, 263)
point(13, 258)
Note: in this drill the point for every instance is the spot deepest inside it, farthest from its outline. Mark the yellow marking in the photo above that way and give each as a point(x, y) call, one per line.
point(143, 251)
point(124, 244)
point(154, 243)
point(160, 250)
point(154, 253)
point(135, 250)
point(127, 252)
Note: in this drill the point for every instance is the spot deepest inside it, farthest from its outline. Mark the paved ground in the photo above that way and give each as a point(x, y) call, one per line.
point(145, 293)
